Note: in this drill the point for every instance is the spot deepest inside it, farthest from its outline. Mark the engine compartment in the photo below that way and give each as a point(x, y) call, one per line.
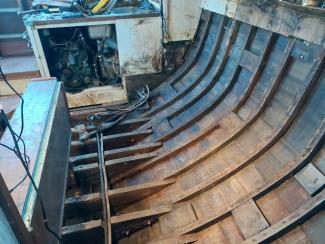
point(82, 57)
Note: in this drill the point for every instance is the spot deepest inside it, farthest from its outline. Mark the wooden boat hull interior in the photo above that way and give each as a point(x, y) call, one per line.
point(230, 150)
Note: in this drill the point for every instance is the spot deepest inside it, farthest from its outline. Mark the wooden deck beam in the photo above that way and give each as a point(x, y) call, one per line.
point(114, 166)
point(116, 153)
point(127, 220)
point(112, 141)
point(119, 198)
point(81, 228)
point(139, 216)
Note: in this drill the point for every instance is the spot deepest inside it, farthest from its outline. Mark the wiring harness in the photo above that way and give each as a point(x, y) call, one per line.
point(116, 116)
point(21, 155)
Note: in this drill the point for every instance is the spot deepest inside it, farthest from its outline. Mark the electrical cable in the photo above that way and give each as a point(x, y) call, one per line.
point(115, 61)
point(164, 24)
point(27, 160)
point(144, 96)
point(24, 159)
point(20, 157)
point(4, 78)
point(117, 115)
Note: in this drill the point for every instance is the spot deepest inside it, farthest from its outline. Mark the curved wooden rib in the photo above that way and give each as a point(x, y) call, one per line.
point(283, 176)
point(277, 134)
point(234, 168)
point(226, 91)
point(213, 149)
point(210, 48)
point(182, 124)
point(197, 92)
point(192, 55)
point(222, 94)
point(313, 75)
point(244, 141)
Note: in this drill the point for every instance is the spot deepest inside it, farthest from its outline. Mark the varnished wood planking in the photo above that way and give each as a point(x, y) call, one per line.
point(311, 179)
point(314, 227)
point(176, 219)
point(291, 219)
point(249, 61)
point(260, 150)
point(218, 215)
point(249, 138)
point(268, 203)
point(287, 198)
point(249, 219)
point(199, 110)
point(209, 218)
point(225, 231)
point(147, 164)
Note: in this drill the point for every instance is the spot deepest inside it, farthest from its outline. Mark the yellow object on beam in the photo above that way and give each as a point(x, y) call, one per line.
point(99, 6)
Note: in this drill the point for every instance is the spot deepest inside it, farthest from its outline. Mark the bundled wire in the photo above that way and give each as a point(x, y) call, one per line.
point(143, 96)
point(117, 115)
point(164, 24)
point(24, 159)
